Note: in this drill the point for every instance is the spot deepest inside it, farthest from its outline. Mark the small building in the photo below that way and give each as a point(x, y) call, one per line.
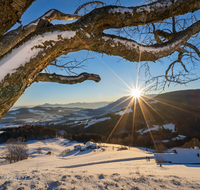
point(91, 145)
point(87, 144)
point(82, 148)
point(77, 147)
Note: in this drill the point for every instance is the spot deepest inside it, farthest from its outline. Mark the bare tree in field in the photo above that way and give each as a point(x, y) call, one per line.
point(16, 150)
point(164, 27)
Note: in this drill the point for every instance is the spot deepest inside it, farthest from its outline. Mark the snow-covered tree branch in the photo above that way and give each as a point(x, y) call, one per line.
point(28, 50)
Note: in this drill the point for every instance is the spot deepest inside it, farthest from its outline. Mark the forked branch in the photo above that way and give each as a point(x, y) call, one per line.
point(13, 37)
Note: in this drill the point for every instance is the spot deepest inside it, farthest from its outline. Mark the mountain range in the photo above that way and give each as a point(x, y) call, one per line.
point(48, 114)
point(85, 105)
point(179, 109)
point(171, 115)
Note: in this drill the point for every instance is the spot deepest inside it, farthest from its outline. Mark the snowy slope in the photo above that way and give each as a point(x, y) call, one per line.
point(169, 126)
point(182, 156)
point(37, 115)
point(109, 169)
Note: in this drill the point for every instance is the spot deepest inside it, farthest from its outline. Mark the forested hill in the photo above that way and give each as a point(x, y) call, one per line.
point(172, 118)
point(180, 109)
point(185, 98)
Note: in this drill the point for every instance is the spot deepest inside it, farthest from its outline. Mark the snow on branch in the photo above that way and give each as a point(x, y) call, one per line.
point(118, 16)
point(13, 37)
point(45, 77)
point(30, 49)
point(55, 14)
point(133, 51)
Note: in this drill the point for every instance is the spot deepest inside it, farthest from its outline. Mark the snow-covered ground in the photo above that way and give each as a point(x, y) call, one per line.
point(94, 169)
point(8, 125)
point(169, 126)
point(153, 102)
point(124, 111)
point(180, 156)
point(41, 116)
point(93, 121)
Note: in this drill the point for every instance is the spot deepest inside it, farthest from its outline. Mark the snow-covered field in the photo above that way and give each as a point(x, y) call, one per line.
point(93, 121)
point(169, 126)
point(41, 116)
point(94, 169)
point(124, 111)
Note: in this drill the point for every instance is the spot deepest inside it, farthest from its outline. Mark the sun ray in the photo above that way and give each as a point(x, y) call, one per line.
point(135, 93)
point(133, 125)
point(116, 105)
point(125, 84)
point(170, 105)
point(138, 72)
point(118, 121)
point(146, 121)
point(101, 60)
point(154, 109)
point(113, 71)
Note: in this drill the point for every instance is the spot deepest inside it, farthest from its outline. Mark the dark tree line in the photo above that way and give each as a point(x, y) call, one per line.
point(28, 133)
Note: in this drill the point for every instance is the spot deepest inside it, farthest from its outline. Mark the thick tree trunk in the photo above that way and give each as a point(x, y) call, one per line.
point(11, 12)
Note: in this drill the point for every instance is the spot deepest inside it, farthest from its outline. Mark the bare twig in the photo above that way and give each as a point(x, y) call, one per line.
point(89, 3)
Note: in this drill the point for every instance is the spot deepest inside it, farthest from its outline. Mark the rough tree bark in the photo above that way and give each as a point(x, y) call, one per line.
point(43, 42)
point(11, 12)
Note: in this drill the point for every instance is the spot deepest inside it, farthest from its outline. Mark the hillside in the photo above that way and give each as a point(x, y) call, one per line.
point(117, 105)
point(103, 168)
point(180, 109)
point(60, 114)
point(37, 115)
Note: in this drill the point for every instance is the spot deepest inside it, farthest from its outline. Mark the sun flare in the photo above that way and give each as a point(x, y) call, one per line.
point(136, 93)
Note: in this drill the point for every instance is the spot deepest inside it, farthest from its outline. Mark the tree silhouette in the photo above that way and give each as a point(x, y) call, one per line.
point(29, 49)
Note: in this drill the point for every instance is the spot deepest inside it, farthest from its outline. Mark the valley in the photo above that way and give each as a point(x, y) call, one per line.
point(170, 118)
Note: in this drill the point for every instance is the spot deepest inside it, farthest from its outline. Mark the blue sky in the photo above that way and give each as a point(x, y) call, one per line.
point(115, 76)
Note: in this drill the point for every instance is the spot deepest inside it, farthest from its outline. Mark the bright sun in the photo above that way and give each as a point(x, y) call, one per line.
point(136, 93)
